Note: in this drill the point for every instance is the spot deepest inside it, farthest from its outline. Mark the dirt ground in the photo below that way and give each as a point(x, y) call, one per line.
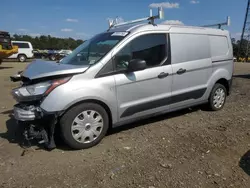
point(189, 148)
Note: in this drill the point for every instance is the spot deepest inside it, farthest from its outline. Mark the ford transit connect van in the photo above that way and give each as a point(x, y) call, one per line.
point(122, 75)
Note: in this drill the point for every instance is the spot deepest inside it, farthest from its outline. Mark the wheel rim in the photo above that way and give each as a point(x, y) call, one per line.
point(87, 126)
point(219, 98)
point(22, 58)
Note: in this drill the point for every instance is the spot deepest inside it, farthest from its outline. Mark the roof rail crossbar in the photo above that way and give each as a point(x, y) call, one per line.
point(151, 18)
point(219, 25)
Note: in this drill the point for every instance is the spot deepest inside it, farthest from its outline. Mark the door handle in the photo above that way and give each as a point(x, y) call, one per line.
point(163, 75)
point(181, 71)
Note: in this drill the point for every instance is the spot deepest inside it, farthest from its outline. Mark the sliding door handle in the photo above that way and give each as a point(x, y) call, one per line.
point(163, 75)
point(181, 71)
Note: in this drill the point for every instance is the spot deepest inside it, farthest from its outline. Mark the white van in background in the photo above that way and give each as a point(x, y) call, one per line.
point(25, 51)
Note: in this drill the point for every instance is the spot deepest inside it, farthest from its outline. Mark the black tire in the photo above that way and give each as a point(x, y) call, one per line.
point(1, 61)
point(22, 58)
point(68, 118)
point(211, 104)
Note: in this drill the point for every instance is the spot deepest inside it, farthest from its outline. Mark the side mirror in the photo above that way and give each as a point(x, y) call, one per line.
point(136, 65)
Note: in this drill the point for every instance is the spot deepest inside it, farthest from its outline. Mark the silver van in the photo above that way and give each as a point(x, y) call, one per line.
point(122, 75)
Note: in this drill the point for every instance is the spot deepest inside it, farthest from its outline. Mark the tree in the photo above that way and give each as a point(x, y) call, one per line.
point(236, 46)
point(48, 42)
point(233, 40)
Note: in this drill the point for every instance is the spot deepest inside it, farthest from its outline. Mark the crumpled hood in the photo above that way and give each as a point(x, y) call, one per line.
point(41, 69)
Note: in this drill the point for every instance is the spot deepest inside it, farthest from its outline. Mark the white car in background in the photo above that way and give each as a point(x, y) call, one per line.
point(58, 55)
point(67, 52)
point(25, 51)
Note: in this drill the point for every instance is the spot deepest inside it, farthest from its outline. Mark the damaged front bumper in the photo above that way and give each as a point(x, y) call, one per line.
point(37, 124)
point(27, 112)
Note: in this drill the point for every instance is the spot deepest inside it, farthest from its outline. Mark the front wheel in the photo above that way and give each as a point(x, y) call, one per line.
point(84, 125)
point(217, 97)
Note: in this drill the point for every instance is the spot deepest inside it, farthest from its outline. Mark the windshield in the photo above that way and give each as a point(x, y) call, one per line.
point(91, 51)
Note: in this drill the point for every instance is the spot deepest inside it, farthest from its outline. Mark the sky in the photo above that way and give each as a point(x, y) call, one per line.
point(82, 19)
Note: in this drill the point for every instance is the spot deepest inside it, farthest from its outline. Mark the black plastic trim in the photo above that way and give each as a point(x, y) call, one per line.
point(168, 60)
point(106, 70)
point(196, 94)
point(222, 60)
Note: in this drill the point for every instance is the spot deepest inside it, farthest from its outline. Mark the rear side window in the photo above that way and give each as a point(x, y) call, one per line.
point(21, 45)
point(189, 47)
point(219, 46)
point(150, 47)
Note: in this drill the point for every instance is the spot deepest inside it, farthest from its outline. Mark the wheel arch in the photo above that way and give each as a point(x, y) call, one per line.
point(225, 83)
point(221, 76)
point(22, 54)
point(96, 101)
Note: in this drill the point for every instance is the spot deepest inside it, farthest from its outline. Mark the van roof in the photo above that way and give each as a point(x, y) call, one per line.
point(20, 41)
point(170, 28)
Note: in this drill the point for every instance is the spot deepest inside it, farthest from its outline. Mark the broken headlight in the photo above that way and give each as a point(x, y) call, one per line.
point(36, 91)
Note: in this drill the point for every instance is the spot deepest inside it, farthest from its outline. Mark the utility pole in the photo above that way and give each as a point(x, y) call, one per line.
point(245, 35)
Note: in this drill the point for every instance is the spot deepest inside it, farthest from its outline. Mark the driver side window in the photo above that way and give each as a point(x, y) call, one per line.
point(150, 47)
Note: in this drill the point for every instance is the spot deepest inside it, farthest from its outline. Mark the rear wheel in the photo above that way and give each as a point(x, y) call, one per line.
point(217, 97)
point(84, 125)
point(22, 58)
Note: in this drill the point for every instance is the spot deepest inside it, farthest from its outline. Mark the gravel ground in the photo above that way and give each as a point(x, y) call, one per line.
point(188, 148)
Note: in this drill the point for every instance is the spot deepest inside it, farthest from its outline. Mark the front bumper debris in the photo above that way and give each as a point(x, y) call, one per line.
point(16, 77)
point(37, 124)
point(27, 113)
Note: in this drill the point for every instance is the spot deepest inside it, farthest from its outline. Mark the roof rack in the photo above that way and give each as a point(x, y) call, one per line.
point(151, 18)
point(227, 23)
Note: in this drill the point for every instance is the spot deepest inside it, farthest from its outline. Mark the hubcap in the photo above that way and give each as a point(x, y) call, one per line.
point(22, 58)
point(87, 126)
point(219, 98)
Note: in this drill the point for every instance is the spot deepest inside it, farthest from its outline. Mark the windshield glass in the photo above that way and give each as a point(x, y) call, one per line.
point(91, 51)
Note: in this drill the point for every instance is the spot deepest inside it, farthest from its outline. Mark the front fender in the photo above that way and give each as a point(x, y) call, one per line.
point(75, 91)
